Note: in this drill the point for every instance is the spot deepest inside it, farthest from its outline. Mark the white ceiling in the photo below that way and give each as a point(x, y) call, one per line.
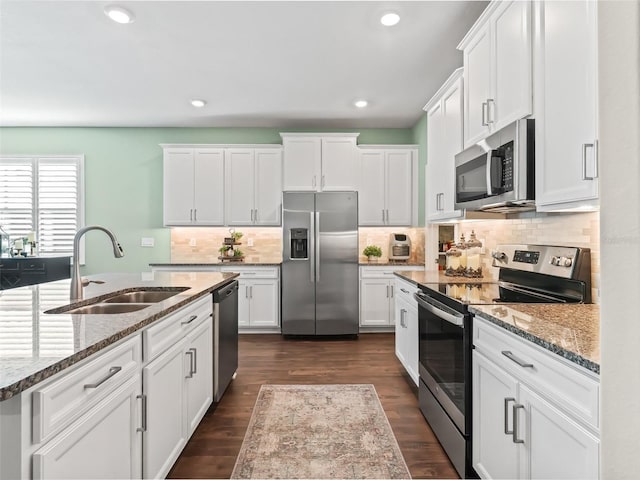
point(261, 64)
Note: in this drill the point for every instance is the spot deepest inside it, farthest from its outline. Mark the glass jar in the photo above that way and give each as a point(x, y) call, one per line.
point(474, 264)
point(452, 263)
point(462, 247)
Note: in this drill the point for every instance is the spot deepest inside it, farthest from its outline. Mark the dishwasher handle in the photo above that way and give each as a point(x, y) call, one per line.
point(224, 292)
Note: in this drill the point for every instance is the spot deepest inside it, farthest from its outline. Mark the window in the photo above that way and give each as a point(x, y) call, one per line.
point(42, 194)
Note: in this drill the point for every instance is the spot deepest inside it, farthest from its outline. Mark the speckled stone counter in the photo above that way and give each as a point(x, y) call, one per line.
point(571, 331)
point(36, 345)
point(436, 276)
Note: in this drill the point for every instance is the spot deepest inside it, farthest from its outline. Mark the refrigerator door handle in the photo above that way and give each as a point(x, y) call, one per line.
point(312, 240)
point(317, 241)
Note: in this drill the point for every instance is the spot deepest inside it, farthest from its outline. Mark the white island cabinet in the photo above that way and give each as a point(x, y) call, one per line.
point(126, 411)
point(535, 414)
point(407, 336)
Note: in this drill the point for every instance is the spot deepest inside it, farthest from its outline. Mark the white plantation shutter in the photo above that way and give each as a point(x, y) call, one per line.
point(45, 195)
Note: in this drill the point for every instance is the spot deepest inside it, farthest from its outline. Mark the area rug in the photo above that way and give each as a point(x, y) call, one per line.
point(319, 431)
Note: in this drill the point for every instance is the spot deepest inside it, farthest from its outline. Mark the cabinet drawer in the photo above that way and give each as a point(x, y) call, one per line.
point(35, 266)
point(60, 402)
point(405, 290)
point(254, 272)
point(387, 271)
point(161, 336)
point(567, 386)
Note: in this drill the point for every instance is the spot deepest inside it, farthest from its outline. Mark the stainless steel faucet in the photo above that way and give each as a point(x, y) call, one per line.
point(77, 282)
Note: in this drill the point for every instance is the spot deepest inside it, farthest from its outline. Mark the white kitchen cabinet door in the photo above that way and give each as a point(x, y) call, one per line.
point(494, 455)
point(444, 134)
point(193, 186)
point(268, 186)
point(178, 191)
point(413, 340)
point(401, 336)
point(339, 164)
point(566, 105)
point(301, 163)
point(371, 201)
point(264, 303)
point(399, 191)
point(163, 384)
point(375, 303)
point(244, 303)
point(554, 445)
point(477, 86)
point(239, 171)
point(199, 382)
point(103, 443)
point(512, 77)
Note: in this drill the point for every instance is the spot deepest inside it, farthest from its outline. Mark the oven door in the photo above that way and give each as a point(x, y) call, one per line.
point(445, 358)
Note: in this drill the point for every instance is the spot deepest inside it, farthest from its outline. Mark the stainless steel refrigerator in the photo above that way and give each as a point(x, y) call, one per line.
point(320, 263)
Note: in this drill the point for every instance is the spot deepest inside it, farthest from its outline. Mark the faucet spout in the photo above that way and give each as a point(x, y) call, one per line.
point(76, 280)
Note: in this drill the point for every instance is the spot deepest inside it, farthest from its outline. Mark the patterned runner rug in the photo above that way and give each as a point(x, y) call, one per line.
point(319, 431)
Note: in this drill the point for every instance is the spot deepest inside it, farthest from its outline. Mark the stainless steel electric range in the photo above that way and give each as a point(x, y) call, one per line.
point(527, 274)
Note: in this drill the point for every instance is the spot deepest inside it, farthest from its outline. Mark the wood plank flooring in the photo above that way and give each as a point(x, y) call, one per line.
point(271, 359)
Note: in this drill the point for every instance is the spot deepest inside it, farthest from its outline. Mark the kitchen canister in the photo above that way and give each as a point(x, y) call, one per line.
point(474, 264)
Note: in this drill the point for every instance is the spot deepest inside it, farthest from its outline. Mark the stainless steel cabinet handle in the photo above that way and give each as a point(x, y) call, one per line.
point(383, 215)
point(404, 291)
point(195, 214)
point(515, 359)
point(391, 291)
point(251, 215)
point(322, 182)
point(250, 291)
point(255, 216)
point(190, 353)
point(246, 292)
point(195, 360)
point(313, 182)
point(506, 415)
point(387, 291)
point(516, 407)
point(191, 319)
point(143, 427)
point(491, 102)
point(387, 216)
point(191, 215)
point(584, 160)
point(484, 114)
point(112, 372)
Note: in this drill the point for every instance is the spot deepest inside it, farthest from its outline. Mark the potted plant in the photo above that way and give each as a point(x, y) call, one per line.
point(236, 236)
point(372, 252)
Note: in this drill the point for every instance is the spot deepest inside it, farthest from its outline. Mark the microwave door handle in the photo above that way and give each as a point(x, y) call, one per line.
point(488, 173)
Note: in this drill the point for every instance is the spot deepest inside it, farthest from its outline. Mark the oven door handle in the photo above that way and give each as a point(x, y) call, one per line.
point(438, 309)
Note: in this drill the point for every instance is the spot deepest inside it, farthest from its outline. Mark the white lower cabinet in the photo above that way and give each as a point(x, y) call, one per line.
point(534, 416)
point(178, 385)
point(104, 443)
point(406, 320)
point(258, 298)
point(378, 293)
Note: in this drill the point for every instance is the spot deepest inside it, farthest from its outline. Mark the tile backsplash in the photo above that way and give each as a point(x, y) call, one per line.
point(201, 244)
point(566, 229)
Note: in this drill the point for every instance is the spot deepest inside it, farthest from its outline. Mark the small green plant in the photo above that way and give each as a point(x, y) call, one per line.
point(236, 236)
point(237, 253)
point(372, 251)
point(223, 249)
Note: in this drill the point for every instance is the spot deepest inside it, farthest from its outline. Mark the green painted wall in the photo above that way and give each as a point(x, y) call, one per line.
point(123, 178)
point(420, 138)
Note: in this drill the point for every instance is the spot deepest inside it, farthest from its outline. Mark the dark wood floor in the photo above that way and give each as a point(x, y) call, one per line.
point(264, 359)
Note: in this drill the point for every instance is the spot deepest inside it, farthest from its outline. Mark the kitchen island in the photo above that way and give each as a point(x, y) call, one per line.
point(80, 391)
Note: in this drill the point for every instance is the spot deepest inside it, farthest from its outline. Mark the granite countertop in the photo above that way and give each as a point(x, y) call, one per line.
point(259, 263)
point(365, 263)
point(35, 345)
point(569, 330)
point(437, 276)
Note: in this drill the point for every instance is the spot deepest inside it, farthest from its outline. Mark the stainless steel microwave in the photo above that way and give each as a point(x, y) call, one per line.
point(497, 174)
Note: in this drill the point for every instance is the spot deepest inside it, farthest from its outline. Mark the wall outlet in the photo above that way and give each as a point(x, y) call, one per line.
point(249, 242)
point(147, 242)
point(192, 242)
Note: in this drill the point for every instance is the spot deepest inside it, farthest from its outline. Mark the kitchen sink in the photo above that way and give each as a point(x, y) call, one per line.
point(132, 301)
point(108, 308)
point(145, 296)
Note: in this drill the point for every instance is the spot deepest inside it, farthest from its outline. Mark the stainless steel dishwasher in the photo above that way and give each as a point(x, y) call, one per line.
point(225, 337)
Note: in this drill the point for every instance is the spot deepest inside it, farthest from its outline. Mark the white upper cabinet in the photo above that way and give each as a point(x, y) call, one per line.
point(566, 105)
point(253, 186)
point(444, 141)
point(497, 56)
point(388, 191)
point(320, 162)
point(193, 186)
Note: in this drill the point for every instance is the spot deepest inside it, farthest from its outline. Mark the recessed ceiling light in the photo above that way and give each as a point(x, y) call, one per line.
point(361, 103)
point(118, 14)
point(198, 103)
point(390, 19)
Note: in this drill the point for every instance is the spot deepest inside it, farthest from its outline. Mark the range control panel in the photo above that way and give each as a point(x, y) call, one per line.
point(547, 259)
